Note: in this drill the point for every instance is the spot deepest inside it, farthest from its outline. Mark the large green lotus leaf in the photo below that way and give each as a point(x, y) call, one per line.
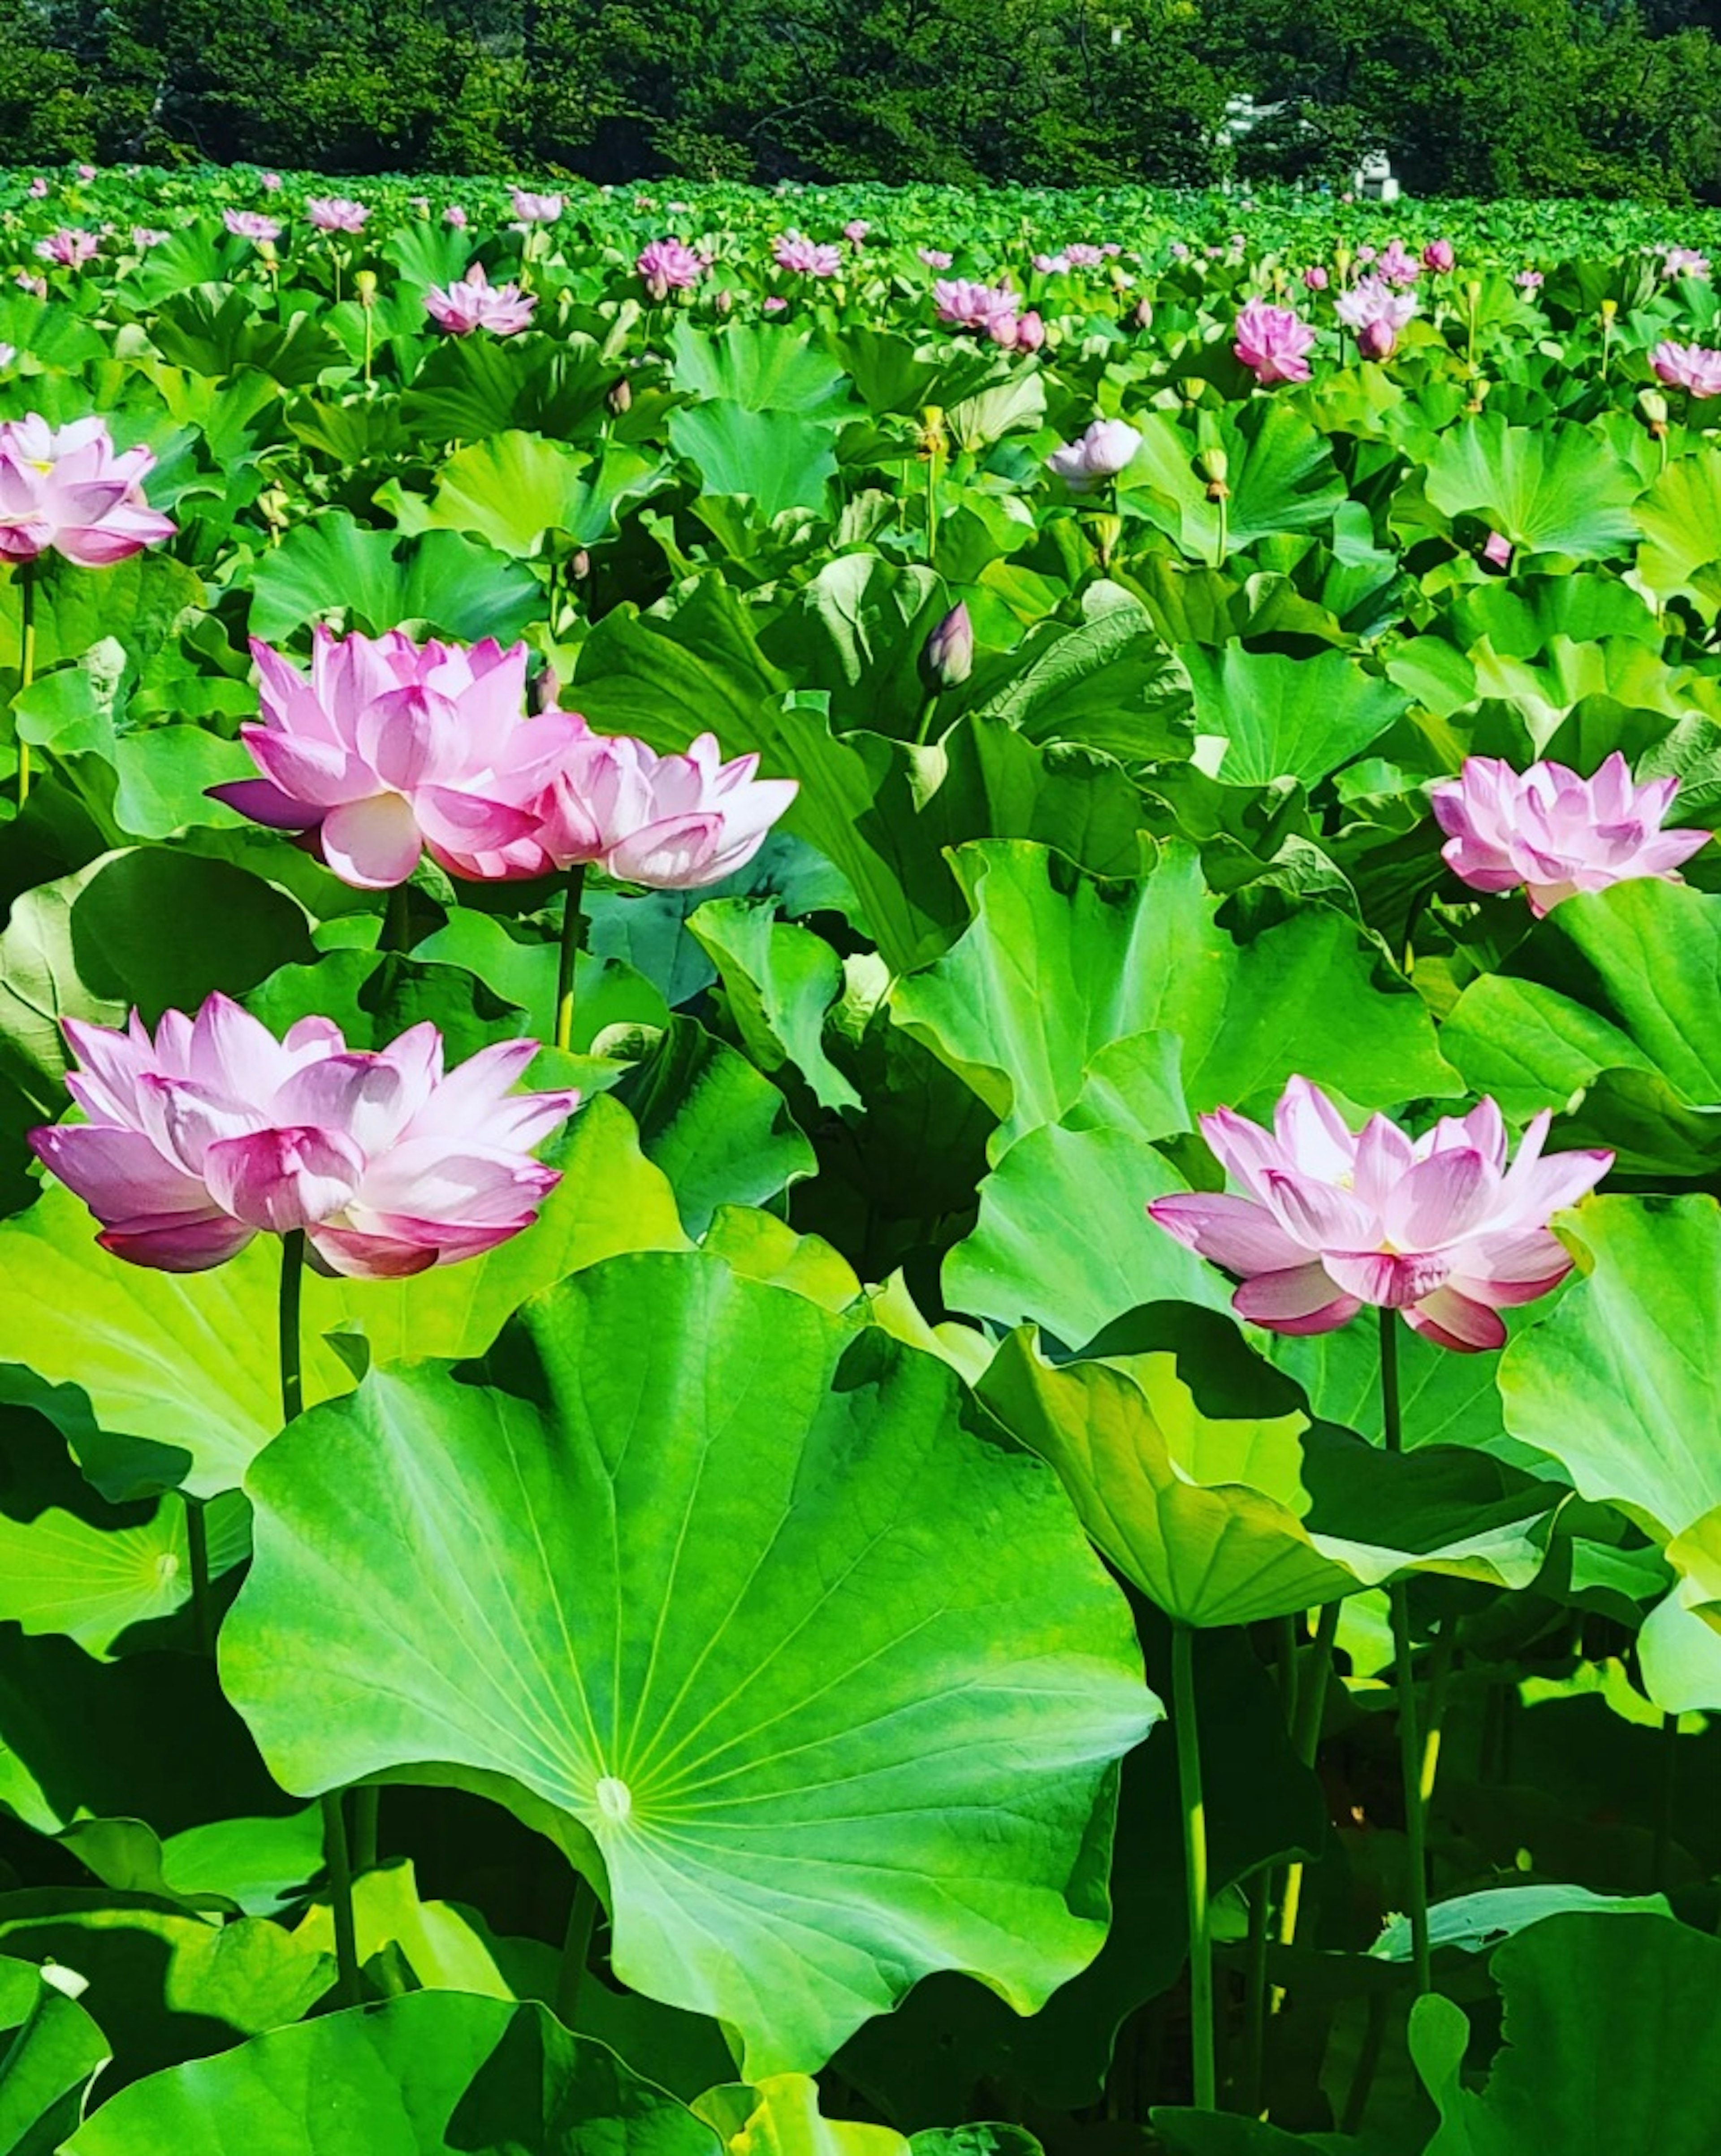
point(216, 329)
point(515, 490)
point(1621, 1382)
point(1680, 517)
point(1612, 997)
point(136, 603)
point(1612, 2044)
point(761, 366)
point(96, 944)
point(327, 565)
point(1064, 1239)
point(1108, 682)
point(470, 387)
point(93, 1581)
point(1279, 470)
point(1476, 1922)
point(776, 458)
point(1287, 718)
point(853, 1720)
point(779, 981)
point(179, 1367)
point(52, 2051)
point(436, 2073)
point(1056, 965)
point(1552, 489)
point(249, 1867)
point(778, 2115)
point(858, 631)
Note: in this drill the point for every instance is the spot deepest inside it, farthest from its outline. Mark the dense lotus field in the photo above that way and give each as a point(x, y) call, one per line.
point(859, 1103)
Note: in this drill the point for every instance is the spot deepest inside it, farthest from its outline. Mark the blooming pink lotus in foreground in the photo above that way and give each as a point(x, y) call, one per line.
point(965, 304)
point(532, 209)
point(672, 822)
point(391, 748)
point(67, 489)
point(70, 247)
point(1100, 453)
point(806, 258)
point(1273, 342)
point(251, 224)
point(336, 214)
point(1556, 833)
point(474, 303)
point(669, 265)
point(1325, 1219)
point(1691, 366)
point(1377, 314)
point(214, 1132)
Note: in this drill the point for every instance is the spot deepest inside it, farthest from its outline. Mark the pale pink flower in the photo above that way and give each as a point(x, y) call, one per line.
point(1440, 255)
point(1051, 266)
point(336, 214)
point(38, 188)
point(1273, 342)
point(773, 303)
point(37, 287)
point(213, 1132)
point(1377, 314)
point(251, 224)
point(935, 257)
point(1180, 250)
point(966, 305)
point(673, 822)
point(1024, 332)
point(1399, 268)
point(669, 265)
point(1082, 254)
point(1316, 277)
point(1322, 1220)
point(1366, 254)
point(270, 182)
point(69, 489)
point(145, 237)
point(793, 251)
point(1683, 262)
point(69, 246)
point(474, 303)
point(1691, 367)
point(1497, 550)
point(392, 748)
point(1529, 281)
point(1100, 453)
point(86, 172)
point(454, 215)
point(532, 209)
point(1555, 833)
point(855, 230)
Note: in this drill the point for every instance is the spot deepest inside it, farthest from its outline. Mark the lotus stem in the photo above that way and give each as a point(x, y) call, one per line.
point(340, 1867)
point(197, 1555)
point(398, 921)
point(1305, 1739)
point(1410, 1761)
point(573, 923)
point(1194, 1824)
point(292, 1285)
point(27, 667)
point(367, 1811)
point(576, 1947)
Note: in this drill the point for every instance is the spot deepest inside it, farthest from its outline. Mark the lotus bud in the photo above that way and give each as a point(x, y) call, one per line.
point(547, 690)
point(1143, 316)
point(947, 657)
point(620, 398)
point(579, 567)
point(365, 285)
point(1609, 308)
point(1478, 395)
point(1214, 467)
point(1654, 407)
point(266, 250)
point(1472, 293)
point(1341, 260)
point(275, 506)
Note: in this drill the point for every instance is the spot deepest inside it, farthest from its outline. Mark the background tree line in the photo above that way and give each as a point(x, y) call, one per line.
point(1600, 97)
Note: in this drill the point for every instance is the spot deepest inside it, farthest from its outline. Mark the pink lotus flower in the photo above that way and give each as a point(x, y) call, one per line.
point(1273, 342)
point(855, 230)
point(1081, 254)
point(1327, 1220)
point(1377, 314)
point(935, 257)
point(1497, 550)
point(672, 822)
point(474, 303)
point(1180, 250)
point(1051, 266)
point(67, 489)
point(145, 237)
point(1025, 332)
point(773, 303)
point(9, 353)
point(38, 188)
point(335, 213)
point(251, 224)
point(37, 287)
point(1529, 281)
point(86, 172)
point(966, 305)
point(392, 748)
point(1440, 255)
point(1683, 262)
point(1315, 278)
point(1691, 366)
point(1101, 453)
point(69, 246)
point(214, 1131)
point(454, 215)
point(793, 251)
point(669, 265)
point(1399, 268)
point(534, 209)
point(270, 182)
point(1556, 833)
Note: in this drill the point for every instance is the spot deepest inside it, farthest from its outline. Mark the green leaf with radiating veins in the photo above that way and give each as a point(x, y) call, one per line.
point(752, 1612)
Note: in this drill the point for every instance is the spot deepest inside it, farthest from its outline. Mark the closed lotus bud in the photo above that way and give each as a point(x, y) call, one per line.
point(1341, 260)
point(266, 249)
point(579, 567)
point(1214, 467)
point(1472, 293)
point(547, 690)
point(1654, 407)
point(620, 398)
point(1143, 314)
point(1609, 308)
point(947, 657)
point(723, 303)
point(365, 285)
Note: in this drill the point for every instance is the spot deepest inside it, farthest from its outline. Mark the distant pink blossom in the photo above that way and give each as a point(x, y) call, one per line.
point(1497, 550)
point(70, 247)
point(1317, 277)
point(86, 171)
point(1101, 453)
point(1690, 366)
point(336, 214)
point(1273, 342)
point(669, 265)
point(251, 224)
point(1399, 268)
point(1440, 255)
point(454, 215)
point(532, 209)
point(67, 490)
point(474, 303)
point(1320, 1221)
point(1023, 332)
point(270, 182)
point(773, 303)
point(935, 257)
point(671, 823)
point(1051, 266)
point(37, 287)
point(792, 251)
point(37, 188)
point(1529, 281)
point(966, 305)
point(855, 230)
point(1377, 314)
point(211, 1132)
point(1556, 833)
point(1082, 254)
point(1683, 262)
point(145, 237)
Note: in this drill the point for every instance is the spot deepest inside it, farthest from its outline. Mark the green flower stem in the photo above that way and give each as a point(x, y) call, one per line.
point(292, 1287)
point(573, 923)
point(1410, 1761)
point(1194, 1824)
point(27, 667)
point(1305, 1742)
point(576, 1947)
point(197, 1554)
point(397, 921)
point(367, 1811)
point(1665, 1804)
point(1260, 1902)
